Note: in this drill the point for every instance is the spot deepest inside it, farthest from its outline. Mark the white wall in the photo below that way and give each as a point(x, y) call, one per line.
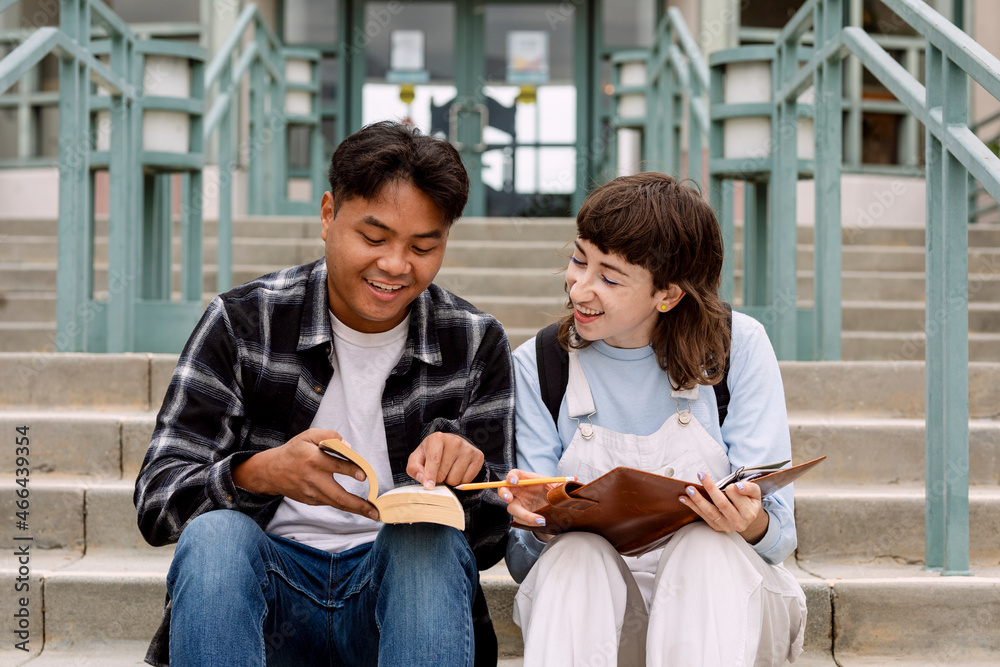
point(33, 194)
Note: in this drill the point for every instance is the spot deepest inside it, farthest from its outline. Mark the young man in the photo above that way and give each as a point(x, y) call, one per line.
point(280, 560)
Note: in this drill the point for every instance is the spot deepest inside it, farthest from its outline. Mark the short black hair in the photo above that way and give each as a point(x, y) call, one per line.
point(386, 152)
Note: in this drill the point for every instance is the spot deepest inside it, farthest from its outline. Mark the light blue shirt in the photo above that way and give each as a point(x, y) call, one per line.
point(632, 395)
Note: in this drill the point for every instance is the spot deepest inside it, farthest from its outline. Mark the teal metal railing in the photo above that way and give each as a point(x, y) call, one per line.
point(34, 102)
point(253, 56)
point(672, 84)
point(910, 52)
point(139, 309)
point(955, 156)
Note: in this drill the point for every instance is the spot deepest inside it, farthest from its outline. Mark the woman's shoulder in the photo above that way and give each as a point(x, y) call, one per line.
point(748, 336)
point(745, 329)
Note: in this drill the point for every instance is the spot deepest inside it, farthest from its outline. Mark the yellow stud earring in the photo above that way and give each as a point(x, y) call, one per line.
point(663, 307)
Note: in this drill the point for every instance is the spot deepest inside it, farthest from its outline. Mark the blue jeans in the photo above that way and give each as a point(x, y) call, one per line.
point(243, 597)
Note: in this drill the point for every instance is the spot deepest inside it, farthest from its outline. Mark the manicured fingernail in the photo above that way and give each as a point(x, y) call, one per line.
point(683, 500)
point(540, 521)
point(701, 475)
point(507, 497)
point(739, 485)
point(513, 481)
point(429, 484)
point(690, 490)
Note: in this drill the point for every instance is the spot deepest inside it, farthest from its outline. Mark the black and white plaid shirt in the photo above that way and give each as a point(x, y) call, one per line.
point(253, 374)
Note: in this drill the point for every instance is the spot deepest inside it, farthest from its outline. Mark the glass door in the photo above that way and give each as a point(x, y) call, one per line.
point(498, 79)
point(527, 88)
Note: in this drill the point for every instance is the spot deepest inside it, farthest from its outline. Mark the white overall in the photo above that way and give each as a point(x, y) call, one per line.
point(706, 598)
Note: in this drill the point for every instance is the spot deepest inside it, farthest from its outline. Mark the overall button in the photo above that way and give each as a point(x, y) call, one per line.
point(684, 417)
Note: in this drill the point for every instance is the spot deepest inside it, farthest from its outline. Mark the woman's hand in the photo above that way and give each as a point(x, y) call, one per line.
point(523, 501)
point(735, 510)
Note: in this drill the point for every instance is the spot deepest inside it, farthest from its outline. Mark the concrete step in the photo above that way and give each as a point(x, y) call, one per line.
point(109, 445)
point(867, 522)
point(879, 389)
point(882, 611)
point(848, 522)
point(28, 277)
point(137, 382)
point(33, 306)
point(987, 235)
point(28, 336)
point(470, 282)
point(886, 258)
point(910, 316)
point(30, 249)
point(888, 286)
point(90, 444)
point(134, 382)
point(562, 230)
point(73, 515)
point(909, 346)
point(883, 452)
point(552, 255)
point(521, 311)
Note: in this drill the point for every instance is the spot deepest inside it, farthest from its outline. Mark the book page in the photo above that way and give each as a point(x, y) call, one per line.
point(344, 451)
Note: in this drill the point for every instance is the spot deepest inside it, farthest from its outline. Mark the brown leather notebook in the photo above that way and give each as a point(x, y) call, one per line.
point(635, 511)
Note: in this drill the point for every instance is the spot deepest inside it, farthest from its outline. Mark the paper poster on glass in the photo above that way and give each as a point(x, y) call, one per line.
point(406, 57)
point(527, 57)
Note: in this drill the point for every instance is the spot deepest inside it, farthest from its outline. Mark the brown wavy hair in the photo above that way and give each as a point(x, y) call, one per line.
point(653, 221)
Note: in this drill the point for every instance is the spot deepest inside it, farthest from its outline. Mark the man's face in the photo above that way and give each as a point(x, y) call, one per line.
point(381, 254)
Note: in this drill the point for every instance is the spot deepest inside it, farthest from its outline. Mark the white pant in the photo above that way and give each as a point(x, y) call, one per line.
point(713, 601)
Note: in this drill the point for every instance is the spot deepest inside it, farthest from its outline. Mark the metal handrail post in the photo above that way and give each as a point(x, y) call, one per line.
point(74, 282)
point(276, 130)
point(828, 129)
point(946, 482)
point(781, 315)
point(256, 163)
point(695, 170)
point(227, 167)
point(192, 227)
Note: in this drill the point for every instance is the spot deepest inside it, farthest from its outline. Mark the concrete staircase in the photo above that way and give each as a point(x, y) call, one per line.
point(509, 267)
point(96, 590)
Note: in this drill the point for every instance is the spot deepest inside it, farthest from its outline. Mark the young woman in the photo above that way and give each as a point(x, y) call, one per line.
point(647, 338)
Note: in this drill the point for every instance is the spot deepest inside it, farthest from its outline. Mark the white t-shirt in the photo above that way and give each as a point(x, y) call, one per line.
point(352, 406)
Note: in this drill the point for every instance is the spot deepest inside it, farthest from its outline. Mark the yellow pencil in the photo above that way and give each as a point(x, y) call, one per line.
point(523, 482)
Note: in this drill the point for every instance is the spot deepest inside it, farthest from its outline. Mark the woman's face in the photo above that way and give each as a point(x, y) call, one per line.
point(613, 300)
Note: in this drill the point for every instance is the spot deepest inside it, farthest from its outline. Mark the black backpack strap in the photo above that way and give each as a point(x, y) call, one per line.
point(553, 368)
point(722, 388)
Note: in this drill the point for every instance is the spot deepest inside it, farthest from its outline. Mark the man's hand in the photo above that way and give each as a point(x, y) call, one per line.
point(300, 470)
point(444, 457)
